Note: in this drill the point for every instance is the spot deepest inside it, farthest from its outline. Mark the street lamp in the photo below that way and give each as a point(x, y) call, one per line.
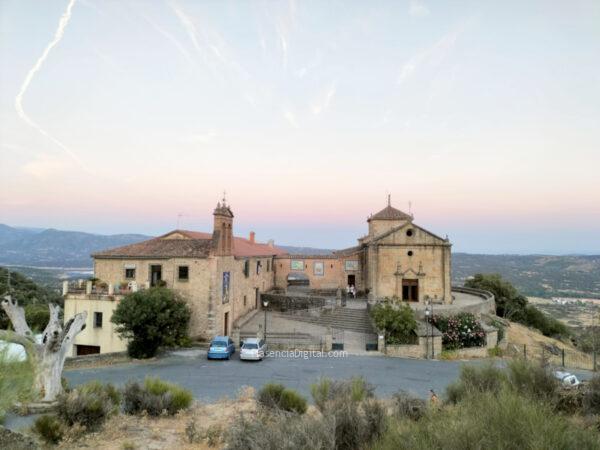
point(429, 316)
point(265, 303)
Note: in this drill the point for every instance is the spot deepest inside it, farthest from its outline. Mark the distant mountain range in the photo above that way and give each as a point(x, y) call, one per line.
point(55, 248)
point(534, 275)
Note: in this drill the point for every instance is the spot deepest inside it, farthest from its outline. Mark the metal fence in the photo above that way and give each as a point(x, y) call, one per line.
point(558, 357)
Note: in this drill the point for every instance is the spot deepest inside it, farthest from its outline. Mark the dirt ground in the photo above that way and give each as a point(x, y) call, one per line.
point(125, 432)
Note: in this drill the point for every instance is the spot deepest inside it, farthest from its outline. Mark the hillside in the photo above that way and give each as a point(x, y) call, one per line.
point(536, 275)
point(56, 248)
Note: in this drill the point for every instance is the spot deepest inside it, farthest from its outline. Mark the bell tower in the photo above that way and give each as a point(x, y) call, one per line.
point(223, 229)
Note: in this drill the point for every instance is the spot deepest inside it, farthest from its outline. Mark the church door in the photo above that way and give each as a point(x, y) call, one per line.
point(410, 290)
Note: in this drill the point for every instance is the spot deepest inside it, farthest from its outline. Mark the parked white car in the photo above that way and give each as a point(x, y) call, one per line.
point(567, 379)
point(253, 349)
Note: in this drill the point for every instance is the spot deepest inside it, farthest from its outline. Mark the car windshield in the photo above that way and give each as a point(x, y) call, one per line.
point(219, 344)
point(250, 346)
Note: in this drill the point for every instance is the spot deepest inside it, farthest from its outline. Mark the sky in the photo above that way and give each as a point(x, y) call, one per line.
point(482, 118)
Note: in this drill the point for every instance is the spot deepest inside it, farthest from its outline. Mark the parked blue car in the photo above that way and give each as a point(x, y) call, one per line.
point(221, 347)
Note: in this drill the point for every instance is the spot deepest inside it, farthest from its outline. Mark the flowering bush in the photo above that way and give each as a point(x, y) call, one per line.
point(460, 331)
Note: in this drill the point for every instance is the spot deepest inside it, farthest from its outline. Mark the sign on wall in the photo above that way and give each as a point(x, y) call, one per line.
point(226, 283)
point(319, 268)
point(297, 264)
point(351, 266)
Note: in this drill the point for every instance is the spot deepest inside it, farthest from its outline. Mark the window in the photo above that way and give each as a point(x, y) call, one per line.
point(409, 233)
point(245, 300)
point(247, 268)
point(258, 267)
point(97, 320)
point(184, 273)
point(410, 253)
point(129, 273)
point(268, 265)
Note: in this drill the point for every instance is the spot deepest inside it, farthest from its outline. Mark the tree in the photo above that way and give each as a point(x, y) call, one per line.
point(398, 323)
point(48, 357)
point(150, 319)
point(509, 303)
point(34, 297)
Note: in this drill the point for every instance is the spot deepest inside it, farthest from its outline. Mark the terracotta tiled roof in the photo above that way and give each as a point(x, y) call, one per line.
point(194, 244)
point(160, 248)
point(390, 213)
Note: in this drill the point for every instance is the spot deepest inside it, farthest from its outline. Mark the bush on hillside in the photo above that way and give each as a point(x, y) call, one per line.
point(358, 417)
point(475, 379)
point(155, 397)
point(514, 306)
point(503, 420)
point(151, 318)
point(532, 380)
point(275, 396)
point(49, 428)
point(397, 322)
point(326, 391)
point(281, 432)
point(88, 405)
point(460, 331)
point(407, 406)
point(591, 396)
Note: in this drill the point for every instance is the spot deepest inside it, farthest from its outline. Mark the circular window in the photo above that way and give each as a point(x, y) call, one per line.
point(409, 232)
point(410, 253)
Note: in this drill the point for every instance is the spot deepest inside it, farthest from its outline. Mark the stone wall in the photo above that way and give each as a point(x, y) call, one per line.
point(334, 274)
point(283, 302)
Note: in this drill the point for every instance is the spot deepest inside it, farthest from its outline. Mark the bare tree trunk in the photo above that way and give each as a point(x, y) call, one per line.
point(48, 357)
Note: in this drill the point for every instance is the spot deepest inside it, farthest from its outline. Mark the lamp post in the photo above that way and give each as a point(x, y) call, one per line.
point(428, 313)
point(265, 303)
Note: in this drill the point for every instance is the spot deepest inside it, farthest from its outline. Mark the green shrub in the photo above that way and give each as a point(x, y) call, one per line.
point(88, 405)
point(475, 379)
point(355, 389)
point(49, 428)
point(591, 396)
point(277, 396)
point(397, 322)
point(150, 319)
point(503, 420)
point(514, 306)
point(37, 316)
point(155, 397)
point(357, 417)
point(500, 327)
point(549, 326)
point(533, 380)
point(408, 406)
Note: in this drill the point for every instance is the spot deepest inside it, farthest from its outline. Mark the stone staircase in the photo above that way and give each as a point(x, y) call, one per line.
point(350, 319)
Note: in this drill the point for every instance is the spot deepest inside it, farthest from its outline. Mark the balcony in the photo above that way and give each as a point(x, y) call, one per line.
point(88, 290)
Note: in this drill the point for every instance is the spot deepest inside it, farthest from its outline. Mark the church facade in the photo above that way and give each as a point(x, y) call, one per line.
point(221, 276)
point(396, 259)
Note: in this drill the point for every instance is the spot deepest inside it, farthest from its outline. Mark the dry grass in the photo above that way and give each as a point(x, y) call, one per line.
point(166, 432)
point(517, 335)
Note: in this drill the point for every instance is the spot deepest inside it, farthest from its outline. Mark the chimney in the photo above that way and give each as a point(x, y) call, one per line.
point(271, 243)
point(252, 235)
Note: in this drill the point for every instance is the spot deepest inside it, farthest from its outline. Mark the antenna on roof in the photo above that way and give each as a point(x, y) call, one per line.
point(389, 199)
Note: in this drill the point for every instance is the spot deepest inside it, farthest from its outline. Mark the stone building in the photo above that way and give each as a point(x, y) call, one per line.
point(397, 258)
point(222, 276)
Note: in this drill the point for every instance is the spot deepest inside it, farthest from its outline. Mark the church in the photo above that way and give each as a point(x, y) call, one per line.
point(221, 275)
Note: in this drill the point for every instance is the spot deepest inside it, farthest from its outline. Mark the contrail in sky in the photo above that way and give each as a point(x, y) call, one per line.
point(60, 31)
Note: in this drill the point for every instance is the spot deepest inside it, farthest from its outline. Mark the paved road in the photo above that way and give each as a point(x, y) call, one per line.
point(211, 380)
